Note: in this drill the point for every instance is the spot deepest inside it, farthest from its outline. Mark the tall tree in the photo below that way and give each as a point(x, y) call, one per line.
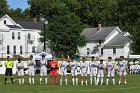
point(3, 6)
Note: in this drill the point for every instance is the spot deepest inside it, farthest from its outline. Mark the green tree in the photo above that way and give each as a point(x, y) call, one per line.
point(3, 6)
point(65, 34)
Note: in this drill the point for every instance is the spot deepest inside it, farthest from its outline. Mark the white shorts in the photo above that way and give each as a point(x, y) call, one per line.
point(100, 73)
point(43, 72)
point(20, 72)
point(131, 67)
point(93, 73)
point(123, 72)
point(63, 72)
point(31, 72)
point(110, 73)
point(74, 72)
point(137, 66)
point(83, 73)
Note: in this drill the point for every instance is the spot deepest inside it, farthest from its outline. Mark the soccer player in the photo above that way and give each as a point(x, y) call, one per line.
point(122, 69)
point(84, 69)
point(116, 66)
point(73, 66)
point(93, 69)
point(100, 71)
point(9, 65)
point(63, 70)
point(110, 70)
point(43, 69)
point(53, 70)
point(131, 66)
point(31, 64)
point(136, 66)
point(20, 68)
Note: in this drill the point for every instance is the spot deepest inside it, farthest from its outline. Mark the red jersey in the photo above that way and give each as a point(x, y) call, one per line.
point(53, 65)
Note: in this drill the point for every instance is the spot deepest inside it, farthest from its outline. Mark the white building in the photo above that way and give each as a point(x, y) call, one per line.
point(105, 41)
point(19, 38)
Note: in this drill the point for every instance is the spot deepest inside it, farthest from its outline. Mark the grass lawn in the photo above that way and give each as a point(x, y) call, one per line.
point(133, 86)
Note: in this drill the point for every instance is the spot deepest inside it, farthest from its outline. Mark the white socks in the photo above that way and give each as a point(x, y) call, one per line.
point(90, 80)
point(40, 80)
point(86, 82)
point(125, 82)
point(33, 80)
point(61, 81)
point(46, 80)
point(73, 81)
point(95, 80)
point(66, 81)
point(107, 81)
point(22, 80)
point(19, 81)
point(76, 81)
point(101, 80)
point(119, 82)
point(30, 81)
point(113, 80)
point(82, 82)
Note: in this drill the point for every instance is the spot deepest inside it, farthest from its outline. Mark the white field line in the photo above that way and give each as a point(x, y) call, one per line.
point(88, 90)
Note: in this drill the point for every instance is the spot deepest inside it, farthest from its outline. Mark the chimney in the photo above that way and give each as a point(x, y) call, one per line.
point(99, 26)
point(34, 20)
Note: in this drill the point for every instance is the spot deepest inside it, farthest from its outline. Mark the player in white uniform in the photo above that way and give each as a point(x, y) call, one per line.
point(43, 69)
point(93, 70)
point(20, 68)
point(31, 65)
point(122, 69)
point(101, 68)
point(84, 69)
point(136, 66)
point(110, 70)
point(63, 71)
point(131, 65)
point(73, 66)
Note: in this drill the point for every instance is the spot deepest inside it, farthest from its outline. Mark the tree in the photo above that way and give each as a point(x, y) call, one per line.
point(65, 34)
point(3, 7)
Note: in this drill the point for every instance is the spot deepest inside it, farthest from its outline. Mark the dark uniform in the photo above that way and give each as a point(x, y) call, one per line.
point(9, 65)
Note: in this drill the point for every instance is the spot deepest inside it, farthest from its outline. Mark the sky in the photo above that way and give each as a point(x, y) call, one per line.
point(18, 4)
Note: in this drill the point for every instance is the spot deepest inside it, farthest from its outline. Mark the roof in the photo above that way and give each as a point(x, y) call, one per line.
point(120, 40)
point(13, 26)
point(30, 25)
point(94, 34)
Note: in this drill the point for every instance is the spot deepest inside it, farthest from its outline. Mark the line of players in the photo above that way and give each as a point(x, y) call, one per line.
point(97, 71)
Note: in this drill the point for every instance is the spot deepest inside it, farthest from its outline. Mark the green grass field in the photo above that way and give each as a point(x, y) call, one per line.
point(133, 84)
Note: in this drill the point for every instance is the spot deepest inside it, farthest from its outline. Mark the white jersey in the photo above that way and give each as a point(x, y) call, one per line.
point(122, 65)
point(83, 66)
point(21, 64)
point(93, 66)
point(31, 64)
point(63, 65)
point(43, 64)
point(110, 65)
point(73, 65)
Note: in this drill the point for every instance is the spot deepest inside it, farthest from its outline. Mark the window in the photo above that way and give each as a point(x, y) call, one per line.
point(100, 42)
point(20, 49)
point(18, 35)
point(114, 50)
point(13, 35)
point(33, 49)
point(4, 21)
point(87, 53)
point(14, 50)
point(29, 36)
point(102, 51)
point(8, 49)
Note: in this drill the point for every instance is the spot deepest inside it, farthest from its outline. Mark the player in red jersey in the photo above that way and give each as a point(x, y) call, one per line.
point(53, 70)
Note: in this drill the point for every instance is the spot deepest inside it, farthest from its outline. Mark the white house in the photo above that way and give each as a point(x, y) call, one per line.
point(105, 41)
point(19, 38)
